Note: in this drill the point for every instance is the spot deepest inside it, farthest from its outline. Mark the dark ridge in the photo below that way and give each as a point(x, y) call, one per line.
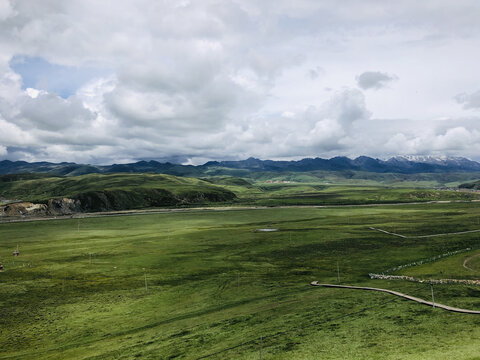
point(400, 165)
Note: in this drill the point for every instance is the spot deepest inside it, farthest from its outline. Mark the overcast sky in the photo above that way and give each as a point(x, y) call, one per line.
point(190, 81)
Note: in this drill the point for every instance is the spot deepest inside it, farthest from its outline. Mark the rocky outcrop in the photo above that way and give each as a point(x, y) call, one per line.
point(63, 206)
point(114, 200)
point(21, 209)
point(55, 207)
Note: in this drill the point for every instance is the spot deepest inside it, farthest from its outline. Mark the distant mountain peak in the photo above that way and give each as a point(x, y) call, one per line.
point(429, 158)
point(403, 164)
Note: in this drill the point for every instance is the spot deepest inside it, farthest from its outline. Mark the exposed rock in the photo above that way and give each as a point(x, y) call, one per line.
point(63, 206)
point(113, 200)
point(23, 209)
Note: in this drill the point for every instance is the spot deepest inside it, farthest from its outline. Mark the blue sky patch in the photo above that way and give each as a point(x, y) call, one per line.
point(64, 81)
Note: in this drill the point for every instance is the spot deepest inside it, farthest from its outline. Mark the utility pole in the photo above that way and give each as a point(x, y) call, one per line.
point(260, 350)
point(433, 299)
point(338, 273)
point(145, 273)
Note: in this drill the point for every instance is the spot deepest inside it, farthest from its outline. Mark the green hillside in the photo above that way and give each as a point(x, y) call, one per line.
point(99, 192)
point(122, 191)
point(348, 177)
point(475, 185)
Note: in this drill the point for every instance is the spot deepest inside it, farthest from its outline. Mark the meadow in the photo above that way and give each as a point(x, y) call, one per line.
point(207, 284)
point(120, 191)
point(316, 194)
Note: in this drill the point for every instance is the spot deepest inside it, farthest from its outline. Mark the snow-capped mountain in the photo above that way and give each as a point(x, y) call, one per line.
point(443, 161)
point(429, 159)
point(397, 164)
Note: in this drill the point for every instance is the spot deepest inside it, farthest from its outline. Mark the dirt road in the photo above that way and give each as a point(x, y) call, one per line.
point(423, 236)
point(465, 262)
point(396, 293)
point(216, 208)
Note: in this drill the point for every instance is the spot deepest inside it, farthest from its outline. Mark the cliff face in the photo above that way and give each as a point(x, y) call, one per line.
point(63, 206)
point(53, 207)
point(97, 201)
point(23, 209)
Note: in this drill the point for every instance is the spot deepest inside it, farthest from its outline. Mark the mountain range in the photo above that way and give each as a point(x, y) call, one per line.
point(398, 164)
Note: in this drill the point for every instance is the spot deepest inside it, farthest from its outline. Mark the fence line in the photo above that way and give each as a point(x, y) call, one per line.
point(428, 281)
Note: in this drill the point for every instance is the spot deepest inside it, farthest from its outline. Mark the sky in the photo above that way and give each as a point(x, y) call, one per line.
point(116, 81)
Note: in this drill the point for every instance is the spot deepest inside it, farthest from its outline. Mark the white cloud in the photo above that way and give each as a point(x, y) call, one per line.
point(469, 101)
point(436, 143)
point(6, 10)
point(12, 135)
point(209, 80)
point(33, 93)
point(288, 114)
point(315, 73)
point(457, 138)
point(52, 113)
point(374, 80)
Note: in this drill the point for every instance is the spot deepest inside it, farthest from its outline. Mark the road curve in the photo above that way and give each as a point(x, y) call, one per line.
point(467, 260)
point(387, 232)
point(423, 236)
point(396, 293)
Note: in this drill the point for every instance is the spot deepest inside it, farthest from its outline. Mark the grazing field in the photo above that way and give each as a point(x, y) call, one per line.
point(462, 266)
point(315, 194)
point(207, 284)
point(104, 192)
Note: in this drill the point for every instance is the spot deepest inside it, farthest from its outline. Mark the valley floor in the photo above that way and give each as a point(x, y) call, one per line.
point(206, 284)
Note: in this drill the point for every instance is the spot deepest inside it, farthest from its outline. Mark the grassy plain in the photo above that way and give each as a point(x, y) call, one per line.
point(461, 266)
point(317, 194)
point(132, 191)
point(347, 177)
point(218, 289)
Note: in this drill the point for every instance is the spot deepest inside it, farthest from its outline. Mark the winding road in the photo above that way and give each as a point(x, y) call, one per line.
point(396, 293)
point(423, 236)
point(6, 219)
point(465, 262)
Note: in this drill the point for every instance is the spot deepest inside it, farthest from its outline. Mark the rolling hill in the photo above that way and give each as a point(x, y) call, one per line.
point(400, 165)
point(103, 192)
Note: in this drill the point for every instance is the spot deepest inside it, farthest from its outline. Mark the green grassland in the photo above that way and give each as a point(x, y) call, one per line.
point(37, 188)
point(218, 289)
point(100, 192)
point(450, 268)
point(317, 194)
point(348, 177)
point(95, 192)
